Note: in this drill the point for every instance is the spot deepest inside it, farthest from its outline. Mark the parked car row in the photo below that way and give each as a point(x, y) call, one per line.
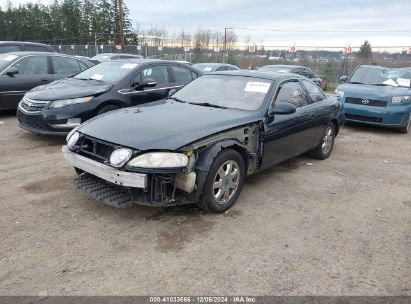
point(176, 134)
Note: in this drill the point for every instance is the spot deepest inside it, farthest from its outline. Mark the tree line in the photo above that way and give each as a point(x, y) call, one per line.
point(65, 22)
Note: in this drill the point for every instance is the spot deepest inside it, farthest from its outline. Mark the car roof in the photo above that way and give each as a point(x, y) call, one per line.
point(24, 42)
point(213, 63)
point(288, 66)
point(259, 74)
point(25, 53)
point(108, 54)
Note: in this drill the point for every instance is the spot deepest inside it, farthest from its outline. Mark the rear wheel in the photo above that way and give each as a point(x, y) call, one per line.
point(224, 182)
point(406, 128)
point(325, 147)
point(106, 109)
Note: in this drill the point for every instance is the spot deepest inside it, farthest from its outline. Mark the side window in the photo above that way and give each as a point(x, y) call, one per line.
point(35, 48)
point(158, 73)
point(308, 73)
point(83, 66)
point(293, 93)
point(65, 66)
point(136, 80)
point(32, 65)
point(221, 68)
point(181, 75)
point(9, 48)
point(315, 93)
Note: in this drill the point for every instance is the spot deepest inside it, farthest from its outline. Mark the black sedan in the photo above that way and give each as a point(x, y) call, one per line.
point(201, 143)
point(300, 70)
point(57, 108)
point(22, 71)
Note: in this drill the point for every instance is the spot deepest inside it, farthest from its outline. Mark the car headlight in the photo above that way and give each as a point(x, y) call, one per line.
point(401, 99)
point(120, 156)
point(339, 93)
point(72, 140)
point(71, 133)
point(159, 160)
point(67, 102)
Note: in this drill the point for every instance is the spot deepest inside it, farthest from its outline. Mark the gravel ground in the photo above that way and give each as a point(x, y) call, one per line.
point(335, 227)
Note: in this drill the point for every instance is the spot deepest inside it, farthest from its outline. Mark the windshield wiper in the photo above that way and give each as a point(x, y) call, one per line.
point(177, 99)
point(206, 104)
point(356, 82)
point(99, 80)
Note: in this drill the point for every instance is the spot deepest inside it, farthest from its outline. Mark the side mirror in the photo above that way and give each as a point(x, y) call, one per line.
point(171, 92)
point(11, 71)
point(344, 78)
point(283, 108)
point(147, 83)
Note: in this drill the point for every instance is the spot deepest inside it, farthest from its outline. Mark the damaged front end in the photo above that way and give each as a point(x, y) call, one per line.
point(155, 178)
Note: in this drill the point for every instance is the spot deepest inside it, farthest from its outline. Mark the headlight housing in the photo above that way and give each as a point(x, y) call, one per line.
point(72, 140)
point(401, 99)
point(67, 102)
point(120, 156)
point(159, 160)
point(339, 93)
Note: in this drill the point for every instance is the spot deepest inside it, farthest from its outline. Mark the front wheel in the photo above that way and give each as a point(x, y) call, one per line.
point(325, 147)
point(406, 128)
point(224, 182)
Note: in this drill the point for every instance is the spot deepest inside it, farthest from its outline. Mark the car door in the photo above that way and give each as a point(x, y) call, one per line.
point(32, 72)
point(63, 67)
point(157, 72)
point(287, 136)
point(320, 110)
point(180, 76)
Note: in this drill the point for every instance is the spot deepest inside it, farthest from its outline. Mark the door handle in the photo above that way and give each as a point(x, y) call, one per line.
point(44, 79)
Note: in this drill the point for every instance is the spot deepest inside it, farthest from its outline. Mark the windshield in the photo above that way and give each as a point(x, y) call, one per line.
point(6, 60)
point(278, 69)
point(228, 91)
point(206, 68)
point(108, 71)
point(382, 76)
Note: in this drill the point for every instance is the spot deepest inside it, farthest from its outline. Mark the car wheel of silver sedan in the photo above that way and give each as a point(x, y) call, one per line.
point(224, 182)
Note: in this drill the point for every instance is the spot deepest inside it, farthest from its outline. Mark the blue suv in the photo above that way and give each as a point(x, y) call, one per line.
point(376, 95)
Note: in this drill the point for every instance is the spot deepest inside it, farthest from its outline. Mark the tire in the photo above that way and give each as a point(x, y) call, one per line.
point(325, 147)
point(107, 108)
point(406, 128)
point(78, 171)
point(214, 198)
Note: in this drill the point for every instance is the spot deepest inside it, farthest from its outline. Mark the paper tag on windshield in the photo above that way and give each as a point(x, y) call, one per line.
point(129, 66)
point(97, 77)
point(391, 83)
point(403, 82)
point(258, 87)
point(208, 69)
point(10, 57)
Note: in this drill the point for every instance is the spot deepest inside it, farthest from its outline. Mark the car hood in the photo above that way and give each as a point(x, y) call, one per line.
point(69, 88)
point(165, 125)
point(372, 91)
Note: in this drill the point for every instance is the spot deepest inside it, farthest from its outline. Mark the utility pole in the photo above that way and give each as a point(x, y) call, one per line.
point(225, 45)
point(121, 25)
point(225, 55)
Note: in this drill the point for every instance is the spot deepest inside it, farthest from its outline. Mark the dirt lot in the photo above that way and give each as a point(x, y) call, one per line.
point(335, 227)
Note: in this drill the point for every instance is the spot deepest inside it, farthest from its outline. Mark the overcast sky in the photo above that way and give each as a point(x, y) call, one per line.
point(295, 15)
